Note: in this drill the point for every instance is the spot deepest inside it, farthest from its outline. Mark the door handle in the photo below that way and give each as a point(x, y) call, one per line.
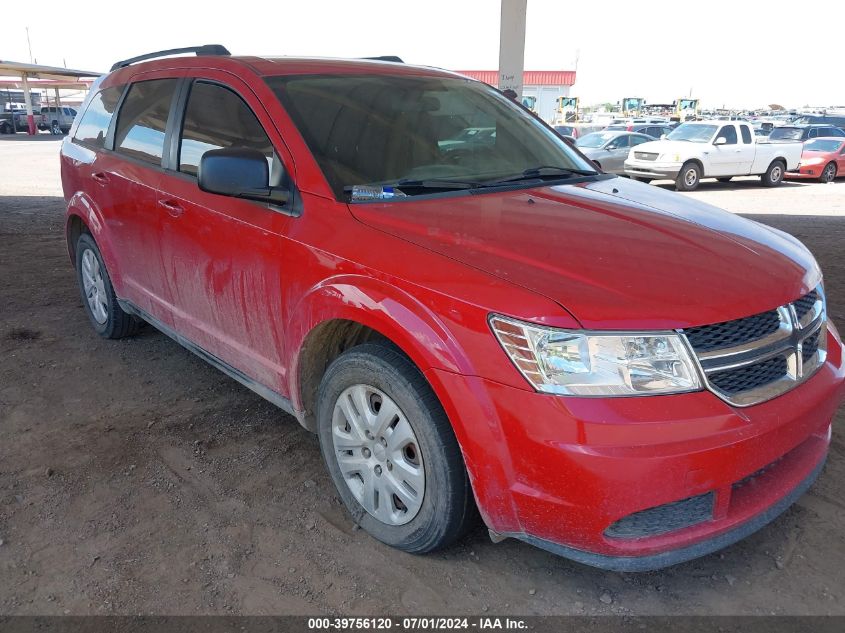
point(100, 177)
point(173, 208)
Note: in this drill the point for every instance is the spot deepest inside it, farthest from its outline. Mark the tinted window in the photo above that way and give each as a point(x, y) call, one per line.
point(786, 134)
point(95, 122)
point(746, 134)
point(728, 132)
point(622, 142)
point(216, 117)
point(812, 133)
point(143, 119)
point(636, 140)
point(833, 131)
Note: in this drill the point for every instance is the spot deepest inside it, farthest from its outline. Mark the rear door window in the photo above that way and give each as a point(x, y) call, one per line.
point(143, 120)
point(94, 124)
point(216, 117)
point(747, 137)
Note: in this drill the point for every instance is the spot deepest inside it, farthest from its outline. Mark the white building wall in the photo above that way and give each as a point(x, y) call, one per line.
point(546, 99)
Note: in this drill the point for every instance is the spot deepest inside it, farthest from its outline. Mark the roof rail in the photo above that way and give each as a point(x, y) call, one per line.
point(205, 49)
point(386, 58)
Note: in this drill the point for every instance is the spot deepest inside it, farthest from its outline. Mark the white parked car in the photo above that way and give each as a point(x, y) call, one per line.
point(712, 149)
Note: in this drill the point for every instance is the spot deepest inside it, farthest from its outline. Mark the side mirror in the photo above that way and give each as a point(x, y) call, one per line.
point(238, 172)
point(721, 141)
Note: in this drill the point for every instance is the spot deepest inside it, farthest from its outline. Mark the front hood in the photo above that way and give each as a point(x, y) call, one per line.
point(615, 253)
point(666, 147)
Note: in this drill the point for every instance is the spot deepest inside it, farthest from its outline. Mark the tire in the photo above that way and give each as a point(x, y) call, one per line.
point(828, 173)
point(376, 376)
point(5, 128)
point(106, 316)
point(688, 178)
point(774, 174)
point(725, 179)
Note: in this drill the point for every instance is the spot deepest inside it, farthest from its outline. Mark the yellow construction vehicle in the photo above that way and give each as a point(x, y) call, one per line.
point(687, 109)
point(631, 106)
point(567, 110)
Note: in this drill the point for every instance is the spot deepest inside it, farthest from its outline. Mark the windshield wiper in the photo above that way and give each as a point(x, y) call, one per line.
point(435, 183)
point(542, 171)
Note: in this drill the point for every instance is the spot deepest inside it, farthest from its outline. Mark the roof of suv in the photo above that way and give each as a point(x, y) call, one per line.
point(268, 66)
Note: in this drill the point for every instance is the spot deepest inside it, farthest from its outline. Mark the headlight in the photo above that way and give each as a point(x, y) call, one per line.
point(812, 161)
point(669, 158)
point(571, 362)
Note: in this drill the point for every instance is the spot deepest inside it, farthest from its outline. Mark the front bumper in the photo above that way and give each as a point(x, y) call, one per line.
point(805, 172)
point(559, 472)
point(652, 169)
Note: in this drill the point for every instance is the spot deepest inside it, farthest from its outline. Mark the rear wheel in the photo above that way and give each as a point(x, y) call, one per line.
point(774, 174)
point(106, 315)
point(828, 173)
point(391, 451)
point(688, 178)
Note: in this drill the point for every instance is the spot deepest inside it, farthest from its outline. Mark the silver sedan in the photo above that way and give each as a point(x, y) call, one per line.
point(609, 149)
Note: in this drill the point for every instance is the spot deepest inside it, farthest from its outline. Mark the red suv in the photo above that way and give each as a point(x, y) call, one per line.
point(457, 303)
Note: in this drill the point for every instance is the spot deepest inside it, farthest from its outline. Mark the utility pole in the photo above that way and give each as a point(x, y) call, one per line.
point(29, 45)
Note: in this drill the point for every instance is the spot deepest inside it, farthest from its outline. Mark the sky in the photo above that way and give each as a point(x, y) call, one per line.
point(729, 54)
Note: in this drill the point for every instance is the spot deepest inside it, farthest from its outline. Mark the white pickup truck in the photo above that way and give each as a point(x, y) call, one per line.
point(711, 149)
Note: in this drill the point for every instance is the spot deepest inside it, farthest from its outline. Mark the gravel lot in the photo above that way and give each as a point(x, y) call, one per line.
point(134, 478)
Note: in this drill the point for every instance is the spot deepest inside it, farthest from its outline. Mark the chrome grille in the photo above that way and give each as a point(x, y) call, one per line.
point(756, 358)
point(645, 155)
point(731, 333)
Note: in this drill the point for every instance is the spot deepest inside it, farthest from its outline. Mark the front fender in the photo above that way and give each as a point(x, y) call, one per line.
point(392, 312)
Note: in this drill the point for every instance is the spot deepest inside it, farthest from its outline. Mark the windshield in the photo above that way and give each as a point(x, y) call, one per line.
point(594, 140)
point(786, 134)
point(385, 130)
point(822, 145)
point(693, 133)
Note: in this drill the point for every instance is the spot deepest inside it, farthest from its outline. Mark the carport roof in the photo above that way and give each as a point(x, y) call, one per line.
point(10, 70)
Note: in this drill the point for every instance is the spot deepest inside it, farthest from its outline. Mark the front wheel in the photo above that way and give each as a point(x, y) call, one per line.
point(688, 178)
point(774, 175)
point(391, 451)
point(98, 297)
point(828, 173)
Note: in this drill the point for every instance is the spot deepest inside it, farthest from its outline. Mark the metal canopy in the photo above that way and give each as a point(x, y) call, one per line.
point(36, 71)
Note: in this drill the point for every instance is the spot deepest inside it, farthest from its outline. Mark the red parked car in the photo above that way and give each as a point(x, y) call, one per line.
point(822, 159)
point(608, 370)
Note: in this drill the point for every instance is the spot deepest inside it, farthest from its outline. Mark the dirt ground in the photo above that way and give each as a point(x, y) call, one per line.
point(135, 479)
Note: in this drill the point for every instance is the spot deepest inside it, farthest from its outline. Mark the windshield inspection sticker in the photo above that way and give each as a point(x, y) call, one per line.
point(365, 192)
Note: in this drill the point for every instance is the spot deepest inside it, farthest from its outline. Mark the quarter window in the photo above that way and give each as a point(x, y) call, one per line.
point(746, 134)
point(143, 120)
point(215, 118)
point(94, 124)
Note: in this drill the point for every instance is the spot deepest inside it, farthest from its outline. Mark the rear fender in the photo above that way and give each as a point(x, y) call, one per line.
point(83, 207)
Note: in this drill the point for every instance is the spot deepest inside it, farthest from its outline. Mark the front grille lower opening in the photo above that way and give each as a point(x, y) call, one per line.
point(665, 518)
